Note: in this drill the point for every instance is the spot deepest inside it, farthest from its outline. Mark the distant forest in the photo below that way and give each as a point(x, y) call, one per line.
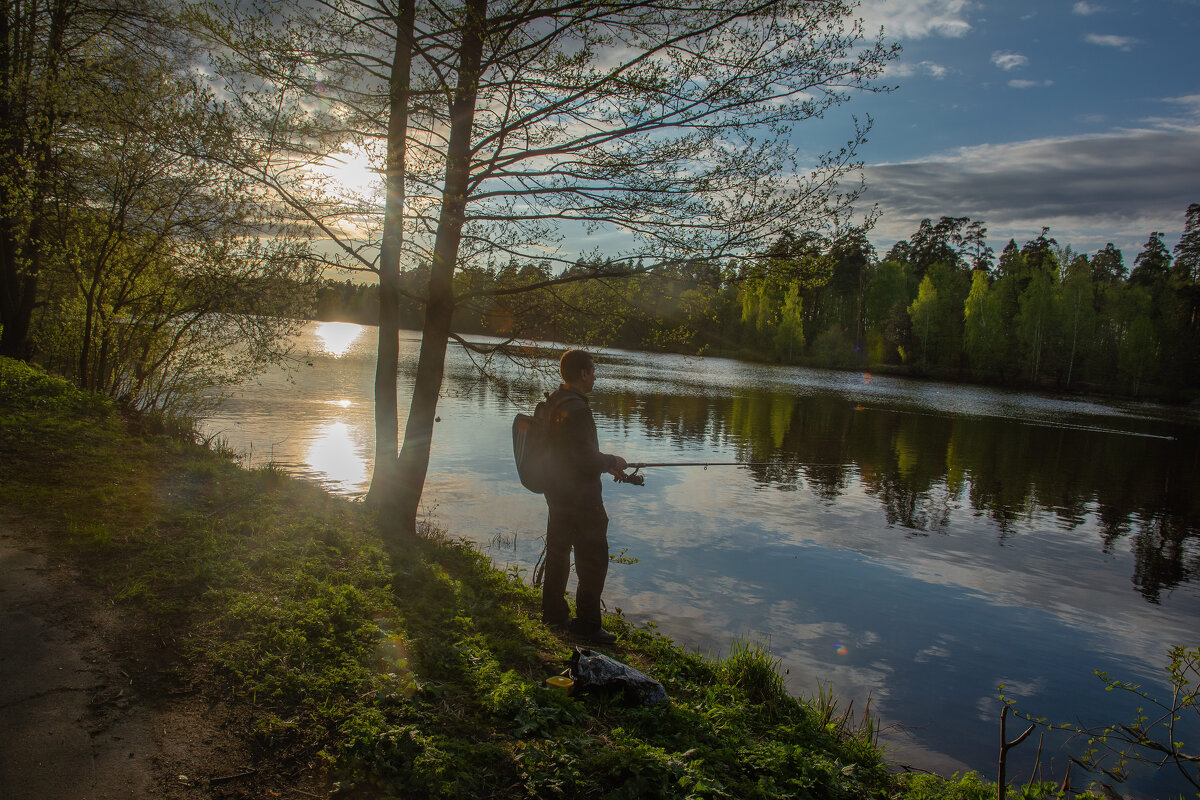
point(939, 304)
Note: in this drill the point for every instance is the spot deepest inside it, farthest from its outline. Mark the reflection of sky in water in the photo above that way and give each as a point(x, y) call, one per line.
point(925, 622)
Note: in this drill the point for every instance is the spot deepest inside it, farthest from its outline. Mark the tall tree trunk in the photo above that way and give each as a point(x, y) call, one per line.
point(387, 420)
point(413, 462)
point(21, 262)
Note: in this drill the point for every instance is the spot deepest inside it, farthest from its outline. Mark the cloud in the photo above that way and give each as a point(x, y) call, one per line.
point(1111, 40)
point(1085, 9)
point(1089, 189)
point(1009, 61)
point(917, 19)
point(907, 70)
point(1190, 100)
point(1024, 84)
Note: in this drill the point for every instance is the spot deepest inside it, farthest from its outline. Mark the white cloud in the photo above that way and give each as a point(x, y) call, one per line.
point(1084, 9)
point(1190, 100)
point(907, 70)
point(1111, 40)
point(1089, 189)
point(1009, 61)
point(917, 19)
point(1024, 84)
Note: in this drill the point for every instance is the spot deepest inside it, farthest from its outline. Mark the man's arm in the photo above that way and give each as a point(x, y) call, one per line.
point(583, 443)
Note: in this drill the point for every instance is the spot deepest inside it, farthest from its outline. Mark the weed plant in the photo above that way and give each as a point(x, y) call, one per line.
point(420, 675)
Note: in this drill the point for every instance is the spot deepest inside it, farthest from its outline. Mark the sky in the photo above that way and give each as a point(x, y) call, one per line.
point(1079, 115)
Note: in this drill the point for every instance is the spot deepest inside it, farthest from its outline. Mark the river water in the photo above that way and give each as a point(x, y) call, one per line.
point(915, 543)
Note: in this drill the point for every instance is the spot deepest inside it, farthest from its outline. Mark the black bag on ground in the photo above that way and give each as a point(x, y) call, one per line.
point(594, 671)
point(531, 446)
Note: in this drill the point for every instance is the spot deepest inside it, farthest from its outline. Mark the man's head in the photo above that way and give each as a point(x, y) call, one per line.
point(577, 369)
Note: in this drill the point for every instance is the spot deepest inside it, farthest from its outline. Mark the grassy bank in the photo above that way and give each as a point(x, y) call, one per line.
point(422, 677)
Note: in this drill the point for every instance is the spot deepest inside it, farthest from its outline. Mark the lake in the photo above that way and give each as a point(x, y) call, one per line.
point(914, 543)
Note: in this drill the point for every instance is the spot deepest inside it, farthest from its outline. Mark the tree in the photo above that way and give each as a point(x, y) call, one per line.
point(532, 131)
point(1077, 309)
point(924, 315)
point(886, 310)
point(982, 326)
point(1012, 262)
point(789, 335)
point(124, 244)
point(1187, 251)
point(1153, 264)
point(1036, 320)
point(50, 53)
point(1040, 254)
point(956, 241)
point(1108, 265)
point(937, 315)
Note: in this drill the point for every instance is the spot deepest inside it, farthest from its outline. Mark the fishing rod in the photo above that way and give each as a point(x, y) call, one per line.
point(640, 480)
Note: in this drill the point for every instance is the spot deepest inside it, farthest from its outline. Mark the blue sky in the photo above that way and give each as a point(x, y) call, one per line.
point(1083, 116)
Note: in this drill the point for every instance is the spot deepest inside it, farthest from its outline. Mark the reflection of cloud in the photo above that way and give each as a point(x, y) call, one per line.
point(988, 707)
point(937, 650)
point(337, 337)
point(334, 455)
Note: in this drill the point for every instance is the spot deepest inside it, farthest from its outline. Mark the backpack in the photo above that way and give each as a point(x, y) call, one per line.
point(531, 445)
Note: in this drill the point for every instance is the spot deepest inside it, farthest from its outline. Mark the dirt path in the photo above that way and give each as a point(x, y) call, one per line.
point(85, 717)
point(73, 725)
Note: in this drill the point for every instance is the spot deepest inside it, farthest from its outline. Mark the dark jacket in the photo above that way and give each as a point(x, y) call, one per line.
point(575, 452)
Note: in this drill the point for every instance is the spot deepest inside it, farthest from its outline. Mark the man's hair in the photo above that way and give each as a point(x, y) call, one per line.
point(573, 363)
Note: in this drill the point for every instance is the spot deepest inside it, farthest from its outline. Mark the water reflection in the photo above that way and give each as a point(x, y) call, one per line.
point(338, 337)
point(335, 458)
point(925, 468)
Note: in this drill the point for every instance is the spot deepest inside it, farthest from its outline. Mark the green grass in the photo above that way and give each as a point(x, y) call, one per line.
point(420, 676)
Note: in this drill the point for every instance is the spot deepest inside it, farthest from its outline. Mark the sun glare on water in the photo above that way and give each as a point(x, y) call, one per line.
point(338, 337)
point(334, 455)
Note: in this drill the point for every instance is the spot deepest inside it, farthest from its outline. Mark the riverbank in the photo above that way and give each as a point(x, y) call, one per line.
point(261, 618)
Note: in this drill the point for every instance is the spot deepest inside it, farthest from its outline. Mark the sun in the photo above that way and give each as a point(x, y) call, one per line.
point(349, 173)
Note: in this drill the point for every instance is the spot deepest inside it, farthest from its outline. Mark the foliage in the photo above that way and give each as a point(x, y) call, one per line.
point(1155, 736)
point(135, 260)
point(28, 387)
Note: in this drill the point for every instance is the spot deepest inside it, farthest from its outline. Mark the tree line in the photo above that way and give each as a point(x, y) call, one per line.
point(937, 304)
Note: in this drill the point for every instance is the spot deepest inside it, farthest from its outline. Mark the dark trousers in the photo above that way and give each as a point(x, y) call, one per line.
point(586, 531)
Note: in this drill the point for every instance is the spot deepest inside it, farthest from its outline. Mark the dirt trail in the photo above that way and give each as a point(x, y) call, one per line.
point(85, 717)
point(73, 727)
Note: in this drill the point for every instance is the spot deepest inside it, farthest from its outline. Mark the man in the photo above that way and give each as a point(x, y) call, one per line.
point(576, 518)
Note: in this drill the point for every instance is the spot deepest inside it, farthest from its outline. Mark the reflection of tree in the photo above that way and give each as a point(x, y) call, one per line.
point(1163, 560)
point(1114, 526)
point(920, 465)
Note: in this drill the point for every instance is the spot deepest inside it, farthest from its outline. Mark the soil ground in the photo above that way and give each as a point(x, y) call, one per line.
point(91, 706)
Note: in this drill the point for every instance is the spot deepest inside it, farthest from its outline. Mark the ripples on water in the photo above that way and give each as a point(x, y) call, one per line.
point(915, 542)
